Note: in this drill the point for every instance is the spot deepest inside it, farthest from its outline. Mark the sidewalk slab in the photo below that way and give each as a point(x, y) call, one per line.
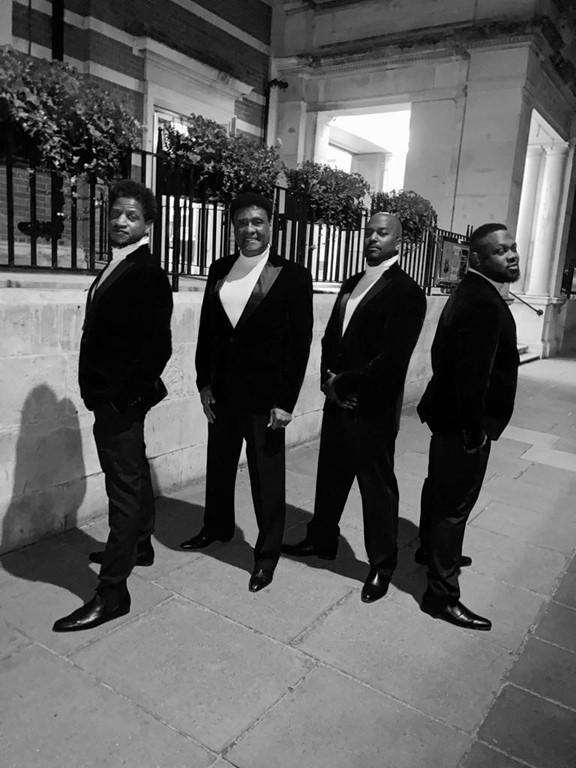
point(331, 721)
point(206, 675)
point(66, 719)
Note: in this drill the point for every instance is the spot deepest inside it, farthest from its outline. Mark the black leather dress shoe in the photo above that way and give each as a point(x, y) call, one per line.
point(422, 558)
point(201, 540)
point(144, 557)
point(260, 579)
point(375, 586)
point(91, 615)
point(306, 548)
point(455, 613)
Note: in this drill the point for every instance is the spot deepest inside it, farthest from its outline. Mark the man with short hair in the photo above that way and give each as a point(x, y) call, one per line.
point(467, 404)
point(253, 346)
point(366, 349)
point(126, 343)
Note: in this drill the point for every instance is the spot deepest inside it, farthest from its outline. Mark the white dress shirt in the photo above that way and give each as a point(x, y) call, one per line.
point(371, 274)
point(240, 282)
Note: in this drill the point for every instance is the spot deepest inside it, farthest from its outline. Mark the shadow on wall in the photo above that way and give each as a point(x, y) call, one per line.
point(49, 485)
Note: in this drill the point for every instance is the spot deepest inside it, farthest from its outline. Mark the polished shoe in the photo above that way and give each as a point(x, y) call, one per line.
point(423, 557)
point(307, 548)
point(91, 615)
point(455, 613)
point(260, 579)
point(144, 557)
point(201, 540)
point(375, 586)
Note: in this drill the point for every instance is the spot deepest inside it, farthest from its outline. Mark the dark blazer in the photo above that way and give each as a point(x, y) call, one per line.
point(474, 363)
point(261, 362)
point(373, 354)
point(126, 340)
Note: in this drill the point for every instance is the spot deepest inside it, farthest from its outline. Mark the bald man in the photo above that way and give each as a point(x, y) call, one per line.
point(369, 339)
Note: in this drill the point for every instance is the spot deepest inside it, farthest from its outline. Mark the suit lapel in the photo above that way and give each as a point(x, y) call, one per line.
point(374, 290)
point(268, 277)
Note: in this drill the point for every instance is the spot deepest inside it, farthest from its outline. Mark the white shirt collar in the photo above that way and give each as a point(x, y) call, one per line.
point(257, 259)
point(120, 253)
point(502, 288)
point(377, 270)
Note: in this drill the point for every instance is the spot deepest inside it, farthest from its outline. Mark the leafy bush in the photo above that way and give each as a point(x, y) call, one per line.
point(60, 119)
point(336, 196)
point(223, 165)
point(416, 213)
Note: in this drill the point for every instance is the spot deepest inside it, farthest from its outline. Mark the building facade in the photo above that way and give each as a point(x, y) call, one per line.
point(491, 90)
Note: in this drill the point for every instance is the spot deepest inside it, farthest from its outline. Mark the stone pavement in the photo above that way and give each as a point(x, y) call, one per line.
point(303, 675)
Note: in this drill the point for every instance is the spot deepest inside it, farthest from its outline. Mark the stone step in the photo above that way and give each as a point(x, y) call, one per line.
point(526, 355)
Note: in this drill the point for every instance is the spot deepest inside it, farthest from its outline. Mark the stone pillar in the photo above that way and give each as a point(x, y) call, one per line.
point(528, 204)
point(322, 138)
point(5, 23)
point(292, 131)
point(548, 215)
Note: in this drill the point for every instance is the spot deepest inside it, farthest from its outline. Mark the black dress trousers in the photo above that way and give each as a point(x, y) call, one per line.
point(449, 493)
point(350, 448)
point(122, 452)
point(265, 451)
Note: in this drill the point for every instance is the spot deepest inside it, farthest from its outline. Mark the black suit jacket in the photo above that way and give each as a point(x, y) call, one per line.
point(373, 354)
point(474, 364)
point(126, 340)
point(259, 364)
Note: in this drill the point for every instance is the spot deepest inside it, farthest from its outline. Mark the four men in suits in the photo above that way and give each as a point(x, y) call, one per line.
point(467, 404)
point(126, 343)
point(252, 350)
point(369, 339)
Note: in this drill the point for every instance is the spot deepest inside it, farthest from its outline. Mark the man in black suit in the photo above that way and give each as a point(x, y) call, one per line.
point(467, 404)
point(366, 350)
point(253, 346)
point(126, 342)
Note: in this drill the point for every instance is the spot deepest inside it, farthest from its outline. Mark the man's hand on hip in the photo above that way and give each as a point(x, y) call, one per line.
point(207, 399)
point(279, 418)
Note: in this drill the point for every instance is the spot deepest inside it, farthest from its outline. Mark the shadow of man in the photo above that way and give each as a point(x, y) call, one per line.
point(49, 487)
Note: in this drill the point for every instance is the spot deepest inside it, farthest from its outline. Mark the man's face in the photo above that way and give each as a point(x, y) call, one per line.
point(252, 230)
point(381, 238)
point(127, 223)
point(497, 257)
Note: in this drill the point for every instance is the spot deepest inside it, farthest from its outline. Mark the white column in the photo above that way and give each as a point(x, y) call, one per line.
point(322, 139)
point(547, 221)
point(527, 214)
point(5, 22)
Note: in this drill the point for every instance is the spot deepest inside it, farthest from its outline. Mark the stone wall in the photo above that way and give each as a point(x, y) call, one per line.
point(50, 478)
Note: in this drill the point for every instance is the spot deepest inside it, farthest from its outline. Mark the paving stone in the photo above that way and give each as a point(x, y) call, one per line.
point(509, 447)
point(550, 476)
point(554, 529)
point(559, 626)
point(56, 716)
point(515, 562)
point(330, 720)
point(482, 756)
point(512, 610)
point(207, 676)
point(526, 496)
point(566, 592)
point(11, 640)
point(54, 587)
point(283, 610)
point(453, 676)
point(547, 670)
point(572, 566)
point(532, 729)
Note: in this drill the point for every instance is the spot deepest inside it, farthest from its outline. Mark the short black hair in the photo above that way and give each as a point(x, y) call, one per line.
point(483, 231)
point(249, 199)
point(145, 196)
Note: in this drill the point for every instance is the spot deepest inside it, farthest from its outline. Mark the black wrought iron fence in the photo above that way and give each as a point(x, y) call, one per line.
point(54, 222)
